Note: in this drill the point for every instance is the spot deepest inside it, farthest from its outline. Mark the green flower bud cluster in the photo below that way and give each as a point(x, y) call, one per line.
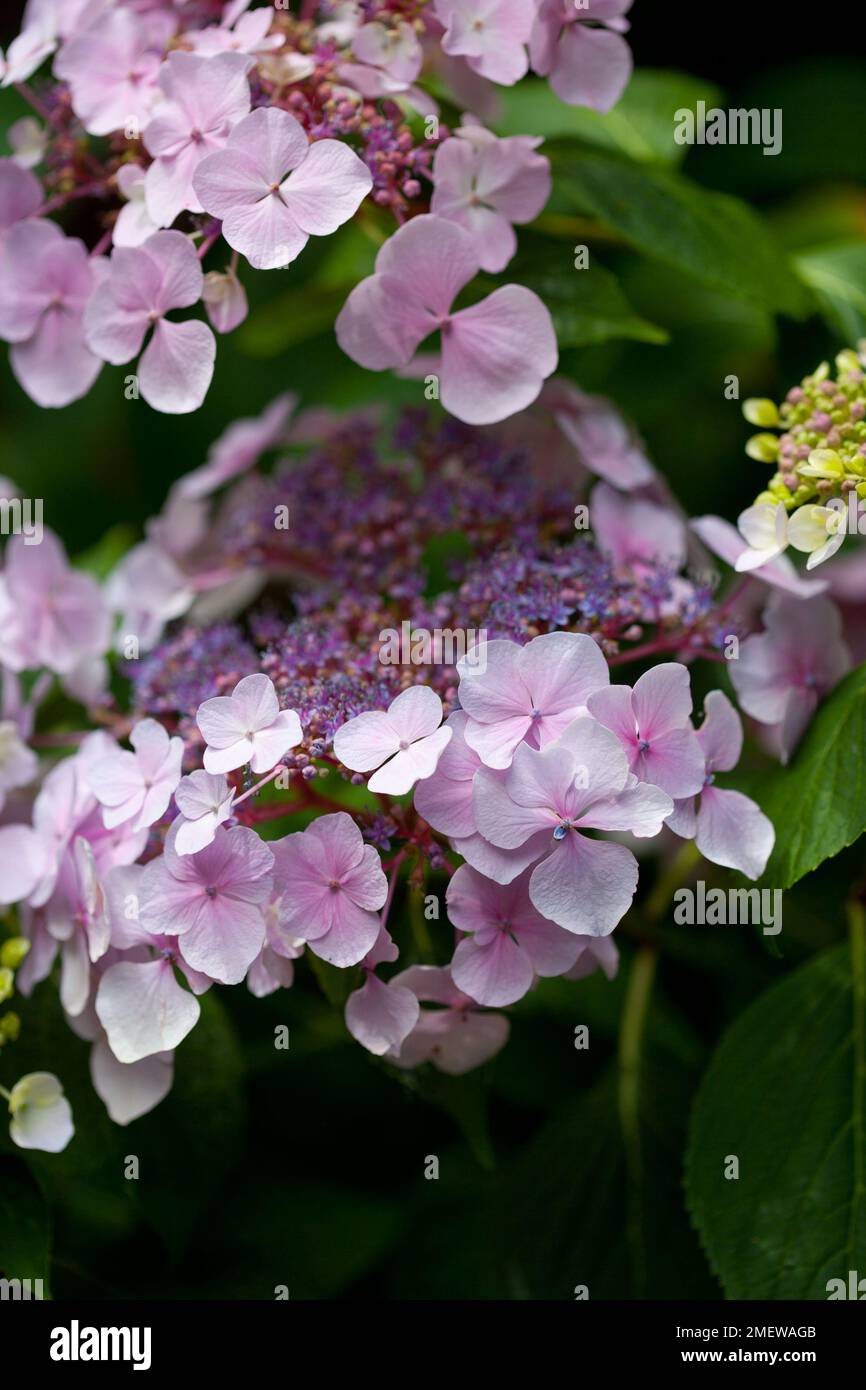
point(821, 451)
point(12, 953)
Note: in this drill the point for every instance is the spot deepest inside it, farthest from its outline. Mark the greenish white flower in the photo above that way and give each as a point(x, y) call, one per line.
point(41, 1114)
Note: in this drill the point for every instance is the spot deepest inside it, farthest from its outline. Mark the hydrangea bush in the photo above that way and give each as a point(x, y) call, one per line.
point(429, 706)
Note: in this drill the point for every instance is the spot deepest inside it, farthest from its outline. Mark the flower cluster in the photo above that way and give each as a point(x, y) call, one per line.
point(166, 127)
point(306, 750)
point(819, 489)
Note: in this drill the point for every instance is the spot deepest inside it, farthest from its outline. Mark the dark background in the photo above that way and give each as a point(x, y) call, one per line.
point(306, 1168)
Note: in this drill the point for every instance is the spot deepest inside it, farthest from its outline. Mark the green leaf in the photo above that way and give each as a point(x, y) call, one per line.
point(818, 803)
point(597, 1199)
point(785, 1094)
point(587, 306)
point(641, 125)
point(188, 1145)
point(24, 1225)
point(717, 239)
point(837, 275)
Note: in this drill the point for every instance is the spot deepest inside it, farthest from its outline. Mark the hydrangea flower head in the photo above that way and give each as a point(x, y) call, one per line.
point(509, 942)
point(495, 354)
point(404, 743)
point(727, 827)
point(581, 50)
point(138, 786)
point(203, 99)
point(490, 34)
point(247, 726)
point(204, 800)
point(579, 782)
point(334, 887)
point(112, 68)
point(652, 723)
point(485, 184)
point(46, 281)
point(528, 693)
point(212, 900)
point(143, 284)
point(457, 1035)
point(273, 189)
point(783, 672)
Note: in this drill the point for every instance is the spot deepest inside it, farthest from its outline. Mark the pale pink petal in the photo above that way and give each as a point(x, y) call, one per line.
point(272, 744)
point(415, 713)
point(380, 1016)
point(363, 743)
point(143, 1009)
point(432, 258)
point(225, 940)
point(55, 367)
point(496, 971)
point(674, 761)
point(721, 734)
point(351, 935)
point(446, 805)
point(641, 809)
point(586, 886)
point(500, 819)
point(129, 1091)
point(562, 670)
point(662, 699)
point(411, 764)
point(592, 67)
point(496, 355)
point(381, 323)
point(502, 865)
point(24, 859)
point(684, 819)
point(177, 365)
point(327, 188)
point(734, 832)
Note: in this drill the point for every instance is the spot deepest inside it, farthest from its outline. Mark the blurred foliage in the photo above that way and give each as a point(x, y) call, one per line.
point(558, 1167)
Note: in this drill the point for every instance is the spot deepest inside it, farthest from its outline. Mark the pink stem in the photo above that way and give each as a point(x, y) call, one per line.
point(392, 884)
point(257, 786)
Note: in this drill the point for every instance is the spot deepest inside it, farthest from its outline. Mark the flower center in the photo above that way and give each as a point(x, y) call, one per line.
point(334, 885)
point(562, 830)
point(643, 745)
point(211, 891)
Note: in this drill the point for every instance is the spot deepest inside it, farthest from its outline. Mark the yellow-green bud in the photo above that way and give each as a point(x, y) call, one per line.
point(10, 1028)
point(861, 489)
point(847, 360)
point(761, 412)
point(765, 499)
point(12, 952)
point(7, 984)
point(763, 447)
point(823, 463)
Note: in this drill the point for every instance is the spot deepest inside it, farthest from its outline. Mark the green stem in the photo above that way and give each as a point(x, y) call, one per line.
point(670, 879)
point(631, 1033)
point(7, 1095)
